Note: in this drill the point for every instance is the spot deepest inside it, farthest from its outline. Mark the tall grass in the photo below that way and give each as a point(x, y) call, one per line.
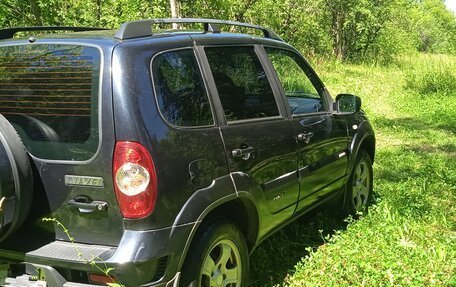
point(431, 75)
point(408, 238)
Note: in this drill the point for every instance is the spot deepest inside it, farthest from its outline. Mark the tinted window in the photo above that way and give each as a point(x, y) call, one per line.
point(301, 93)
point(50, 95)
point(180, 90)
point(241, 82)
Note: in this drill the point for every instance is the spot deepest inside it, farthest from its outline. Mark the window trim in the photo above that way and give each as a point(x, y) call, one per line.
point(100, 101)
point(200, 68)
point(255, 120)
point(215, 94)
point(318, 84)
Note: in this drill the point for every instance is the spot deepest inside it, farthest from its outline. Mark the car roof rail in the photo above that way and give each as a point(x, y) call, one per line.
point(10, 32)
point(143, 28)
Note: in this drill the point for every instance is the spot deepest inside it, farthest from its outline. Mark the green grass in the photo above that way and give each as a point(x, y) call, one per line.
point(432, 74)
point(408, 238)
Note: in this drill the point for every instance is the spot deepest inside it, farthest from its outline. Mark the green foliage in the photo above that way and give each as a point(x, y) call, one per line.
point(356, 25)
point(371, 31)
point(104, 13)
point(437, 28)
point(298, 22)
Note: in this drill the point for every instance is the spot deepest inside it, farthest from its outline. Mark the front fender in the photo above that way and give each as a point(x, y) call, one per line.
point(362, 135)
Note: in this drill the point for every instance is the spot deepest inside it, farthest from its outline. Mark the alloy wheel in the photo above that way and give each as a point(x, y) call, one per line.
point(361, 186)
point(222, 266)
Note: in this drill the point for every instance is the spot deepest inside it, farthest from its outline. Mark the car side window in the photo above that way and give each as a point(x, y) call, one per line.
point(180, 90)
point(243, 88)
point(302, 96)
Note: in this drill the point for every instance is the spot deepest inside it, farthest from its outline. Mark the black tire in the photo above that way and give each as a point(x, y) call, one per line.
point(33, 128)
point(358, 193)
point(16, 180)
point(219, 251)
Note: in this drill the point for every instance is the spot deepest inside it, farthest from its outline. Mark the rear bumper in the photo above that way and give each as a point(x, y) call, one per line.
point(55, 279)
point(142, 258)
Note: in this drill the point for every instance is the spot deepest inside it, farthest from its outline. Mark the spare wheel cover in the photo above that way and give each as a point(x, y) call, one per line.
point(16, 181)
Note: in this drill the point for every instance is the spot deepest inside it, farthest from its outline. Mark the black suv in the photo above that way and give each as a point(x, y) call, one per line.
point(164, 157)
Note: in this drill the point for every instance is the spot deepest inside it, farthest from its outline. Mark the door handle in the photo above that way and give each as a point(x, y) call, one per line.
point(84, 206)
point(305, 137)
point(243, 153)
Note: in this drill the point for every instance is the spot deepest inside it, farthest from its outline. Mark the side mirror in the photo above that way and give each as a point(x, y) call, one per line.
point(347, 103)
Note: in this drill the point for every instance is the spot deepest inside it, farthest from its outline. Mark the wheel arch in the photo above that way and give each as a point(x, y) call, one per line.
point(235, 208)
point(364, 139)
point(240, 211)
point(368, 144)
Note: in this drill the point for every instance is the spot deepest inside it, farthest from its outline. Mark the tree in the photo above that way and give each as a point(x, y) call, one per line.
point(353, 30)
point(175, 10)
point(356, 25)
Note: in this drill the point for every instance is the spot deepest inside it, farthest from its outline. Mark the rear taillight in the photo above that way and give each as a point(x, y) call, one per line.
point(135, 179)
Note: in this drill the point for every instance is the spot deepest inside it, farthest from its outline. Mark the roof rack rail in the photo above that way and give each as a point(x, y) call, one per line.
point(10, 32)
point(143, 28)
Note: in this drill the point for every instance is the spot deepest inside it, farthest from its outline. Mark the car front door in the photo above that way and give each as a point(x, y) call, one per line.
point(322, 138)
point(260, 146)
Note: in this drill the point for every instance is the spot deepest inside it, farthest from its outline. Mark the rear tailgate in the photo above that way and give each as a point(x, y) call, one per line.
point(52, 94)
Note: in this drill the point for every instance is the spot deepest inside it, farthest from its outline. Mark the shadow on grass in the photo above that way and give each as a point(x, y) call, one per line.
point(276, 256)
point(417, 157)
point(413, 176)
point(410, 123)
point(425, 128)
point(414, 173)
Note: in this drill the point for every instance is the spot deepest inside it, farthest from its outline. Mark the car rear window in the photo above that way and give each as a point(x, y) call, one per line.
point(49, 92)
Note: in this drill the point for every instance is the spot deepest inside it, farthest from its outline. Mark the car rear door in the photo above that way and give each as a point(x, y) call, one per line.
point(322, 138)
point(51, 93)
point(260, 146)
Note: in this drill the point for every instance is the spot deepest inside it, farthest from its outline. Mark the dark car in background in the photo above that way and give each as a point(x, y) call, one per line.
point(164, 157)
